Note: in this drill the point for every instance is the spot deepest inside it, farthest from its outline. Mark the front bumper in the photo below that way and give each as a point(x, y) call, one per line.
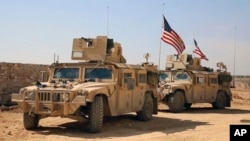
point(49, 104)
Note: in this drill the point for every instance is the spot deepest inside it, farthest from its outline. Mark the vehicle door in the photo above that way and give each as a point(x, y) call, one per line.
point(211, 88)
point(199, 88)
point(139, 89)
point(126, 90)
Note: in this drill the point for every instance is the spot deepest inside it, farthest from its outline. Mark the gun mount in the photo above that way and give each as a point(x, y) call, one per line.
point(100, 48)
point(185, 62)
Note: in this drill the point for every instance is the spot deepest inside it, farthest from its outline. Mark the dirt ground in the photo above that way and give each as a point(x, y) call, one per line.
point(200, 123)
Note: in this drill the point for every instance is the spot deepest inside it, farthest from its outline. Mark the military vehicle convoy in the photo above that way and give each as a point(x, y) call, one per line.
point(101, 84)
point(185, 81)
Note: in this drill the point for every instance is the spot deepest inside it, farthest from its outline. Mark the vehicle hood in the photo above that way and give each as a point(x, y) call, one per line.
point(94, 85)
point(178, 83)
point(175, 83)
point(70, 86)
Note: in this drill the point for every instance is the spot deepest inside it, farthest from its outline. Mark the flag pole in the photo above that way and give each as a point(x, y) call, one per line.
point(234, 54)
point(159, 65)
point(194, 47)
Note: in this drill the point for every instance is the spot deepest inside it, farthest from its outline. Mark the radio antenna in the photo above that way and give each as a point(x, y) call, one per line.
point(107, 21)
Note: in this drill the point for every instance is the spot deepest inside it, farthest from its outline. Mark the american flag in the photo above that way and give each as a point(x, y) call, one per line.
point(198, 51)
point(171, 37)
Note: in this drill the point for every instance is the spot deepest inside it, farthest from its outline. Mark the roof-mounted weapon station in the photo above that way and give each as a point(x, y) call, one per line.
point(100, 48)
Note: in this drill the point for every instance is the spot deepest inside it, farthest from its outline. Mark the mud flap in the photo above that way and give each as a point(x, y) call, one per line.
point(155, 109)
point(228, 101)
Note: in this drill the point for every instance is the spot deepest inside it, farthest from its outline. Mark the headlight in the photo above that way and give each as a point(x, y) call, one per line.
point(167, 87)
point(82, 92)
point(56, 97)
point(31, 96)
point(66, 97)
point(79, 92)
point(85, 92)
point(22, 90)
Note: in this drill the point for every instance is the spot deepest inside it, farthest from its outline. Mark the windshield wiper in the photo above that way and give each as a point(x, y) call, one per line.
point(71, 80)
point(39, 84)
point(93, 69)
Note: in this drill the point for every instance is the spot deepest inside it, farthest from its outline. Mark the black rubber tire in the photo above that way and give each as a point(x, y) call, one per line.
point(176, 102)
point(187, 105)
point(30, 121)
point(96, 115)
point(146, 113)
point(220, 102)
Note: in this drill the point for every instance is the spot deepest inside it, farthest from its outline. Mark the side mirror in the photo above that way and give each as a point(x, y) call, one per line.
point(44, 76)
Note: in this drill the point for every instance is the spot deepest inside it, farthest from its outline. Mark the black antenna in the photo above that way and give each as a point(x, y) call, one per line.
point(57, 59)
point(107, 21)
point(54, 57)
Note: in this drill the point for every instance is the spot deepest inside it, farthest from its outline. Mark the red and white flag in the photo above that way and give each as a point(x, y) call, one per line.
point(171, 37)
point(199, 52)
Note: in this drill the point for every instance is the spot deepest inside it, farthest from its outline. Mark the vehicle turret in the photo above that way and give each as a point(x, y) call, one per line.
point(100, 48)
point(184, 62)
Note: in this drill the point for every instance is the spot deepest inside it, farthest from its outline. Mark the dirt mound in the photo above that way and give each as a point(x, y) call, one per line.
point(242, 84)
point(241, 92)
point(15, 109)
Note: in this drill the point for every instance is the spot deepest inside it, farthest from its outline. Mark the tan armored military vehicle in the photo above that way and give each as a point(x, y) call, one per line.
point(101, 85)
point(185, 82)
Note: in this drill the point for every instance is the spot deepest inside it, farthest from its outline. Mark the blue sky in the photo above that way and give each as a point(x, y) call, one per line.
point(32, 31)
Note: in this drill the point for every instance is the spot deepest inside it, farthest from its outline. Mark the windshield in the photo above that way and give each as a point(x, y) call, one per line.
point(101, 73)
point(181, 76)
point(165, 76)
point(68, 73)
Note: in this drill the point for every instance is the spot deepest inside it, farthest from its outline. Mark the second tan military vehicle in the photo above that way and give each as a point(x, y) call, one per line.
point(185, 82)
point(102, 84)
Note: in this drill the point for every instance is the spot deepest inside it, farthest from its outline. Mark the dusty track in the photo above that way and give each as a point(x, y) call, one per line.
point(200, 123)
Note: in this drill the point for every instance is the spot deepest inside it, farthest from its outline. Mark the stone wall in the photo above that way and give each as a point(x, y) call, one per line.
point(14, 76)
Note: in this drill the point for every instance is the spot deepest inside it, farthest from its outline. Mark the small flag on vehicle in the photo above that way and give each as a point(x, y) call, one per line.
point(198, 51)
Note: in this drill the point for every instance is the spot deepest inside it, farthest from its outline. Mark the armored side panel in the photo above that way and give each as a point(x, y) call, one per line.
point(183, 61)
point(177, 61)
point(89, 49)
point(195, 64)
point(116, 54)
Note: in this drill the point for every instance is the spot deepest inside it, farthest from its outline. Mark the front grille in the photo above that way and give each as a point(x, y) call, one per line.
point(44, 96)
point(50, 96)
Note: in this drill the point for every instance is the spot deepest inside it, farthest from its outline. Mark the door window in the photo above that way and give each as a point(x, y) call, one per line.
point(200, 80)
point(127, 76)
point(142, 78)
